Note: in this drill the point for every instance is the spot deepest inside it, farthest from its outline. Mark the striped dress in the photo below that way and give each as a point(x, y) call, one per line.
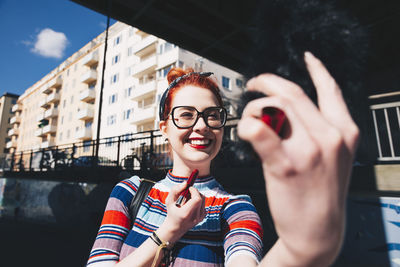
point(231, 226)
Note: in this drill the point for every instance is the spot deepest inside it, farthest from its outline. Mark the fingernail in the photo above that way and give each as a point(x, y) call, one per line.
point(308, 55)
point(274, 118)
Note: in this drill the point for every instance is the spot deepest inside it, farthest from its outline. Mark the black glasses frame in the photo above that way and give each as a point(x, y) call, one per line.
point(199, 114)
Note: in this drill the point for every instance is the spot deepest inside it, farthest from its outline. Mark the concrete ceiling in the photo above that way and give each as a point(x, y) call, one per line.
point(218, 29)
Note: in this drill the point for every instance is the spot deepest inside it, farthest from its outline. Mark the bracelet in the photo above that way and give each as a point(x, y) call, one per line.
point(162, 245)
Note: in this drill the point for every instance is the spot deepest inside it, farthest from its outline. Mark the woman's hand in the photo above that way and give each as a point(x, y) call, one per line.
point(307, 170)
point(181, 219)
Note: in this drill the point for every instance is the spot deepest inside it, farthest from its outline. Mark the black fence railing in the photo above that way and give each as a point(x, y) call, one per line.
point(135, 151)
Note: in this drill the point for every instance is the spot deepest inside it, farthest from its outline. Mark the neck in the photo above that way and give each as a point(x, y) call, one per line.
point(182, 169)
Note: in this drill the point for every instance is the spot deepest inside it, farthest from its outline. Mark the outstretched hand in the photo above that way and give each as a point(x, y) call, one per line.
point(306, 171)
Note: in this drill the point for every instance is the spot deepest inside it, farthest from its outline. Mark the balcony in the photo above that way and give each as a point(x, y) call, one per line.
point(53, 98)
point(145, 66)
point(48, 143)
point(43, 103)
point(145, 46)
point(90, 59)
point(55, 83)
point(39, 132)
point(49, 129)
point(89, 77)
point(50, 113)
point(168, 58)
point(15, 119)
point(11, 144)
point(87, 95)
point(144, 90)
point(13, 131)
point(142, 115)
point(40, 117)
point(84, 134)
point(16, 107)
point(46, 89)
point(86, 114)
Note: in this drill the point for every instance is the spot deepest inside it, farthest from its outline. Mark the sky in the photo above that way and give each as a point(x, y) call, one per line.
point(38, 35)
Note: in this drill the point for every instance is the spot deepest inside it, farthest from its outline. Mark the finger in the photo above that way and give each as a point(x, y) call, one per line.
point(330, 99)
point(273, 151)
point(306, 110)
point(174, 193)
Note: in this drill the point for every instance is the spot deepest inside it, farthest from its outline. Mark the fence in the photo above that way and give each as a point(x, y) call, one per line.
point(135, 151)
point(386, 119)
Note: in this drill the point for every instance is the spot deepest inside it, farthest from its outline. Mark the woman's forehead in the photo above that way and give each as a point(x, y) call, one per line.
point(194, 96)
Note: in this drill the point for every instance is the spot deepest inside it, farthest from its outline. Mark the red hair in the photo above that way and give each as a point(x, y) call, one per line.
point(195, 80)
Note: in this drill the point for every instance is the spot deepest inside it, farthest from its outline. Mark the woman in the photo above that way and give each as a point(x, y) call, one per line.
point(306, 172)
point(212, 226)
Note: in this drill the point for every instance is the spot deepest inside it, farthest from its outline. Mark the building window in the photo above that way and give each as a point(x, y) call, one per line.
point(72, 99)
point(112, 99)
point(239, 83)
point(117, 40)
point(62, 119)
point(162, 73)
point(128, 92)
point(127, 114)
point(131, 31)
point(88, 124)
point(87, 145)
point(68, 133)
point(64, 103)
point(13, 101)
point(67, 72)
point(116, 59)
point(92, 85)
point(114, 78)
point(226, 83)
point(111, 119)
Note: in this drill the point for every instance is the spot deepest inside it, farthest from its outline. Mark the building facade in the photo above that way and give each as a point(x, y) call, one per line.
point(9, 122)
point(62, 108)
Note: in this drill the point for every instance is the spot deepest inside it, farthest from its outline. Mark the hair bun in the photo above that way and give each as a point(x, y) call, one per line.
point(175, 73)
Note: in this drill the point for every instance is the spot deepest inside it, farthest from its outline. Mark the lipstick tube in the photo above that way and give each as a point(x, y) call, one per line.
point(184, 194)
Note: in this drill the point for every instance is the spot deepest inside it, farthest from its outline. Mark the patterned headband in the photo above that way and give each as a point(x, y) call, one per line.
point(172, 85)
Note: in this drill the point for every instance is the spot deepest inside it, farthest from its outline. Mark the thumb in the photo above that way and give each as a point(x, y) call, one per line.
point(174, 193)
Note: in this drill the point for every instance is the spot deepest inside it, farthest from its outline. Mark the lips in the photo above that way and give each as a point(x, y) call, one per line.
point(199, 143)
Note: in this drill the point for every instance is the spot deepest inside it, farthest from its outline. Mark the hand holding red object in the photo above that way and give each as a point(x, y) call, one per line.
point(184, 195)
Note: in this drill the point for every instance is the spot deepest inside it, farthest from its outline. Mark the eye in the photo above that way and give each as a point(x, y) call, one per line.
point(186, 115)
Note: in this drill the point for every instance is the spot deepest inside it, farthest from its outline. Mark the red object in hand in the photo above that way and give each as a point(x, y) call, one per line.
point(184, 194)
point(274, 117)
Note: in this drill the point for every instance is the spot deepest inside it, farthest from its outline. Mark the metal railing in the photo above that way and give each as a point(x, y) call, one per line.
point(386, 119)
point(134, 151)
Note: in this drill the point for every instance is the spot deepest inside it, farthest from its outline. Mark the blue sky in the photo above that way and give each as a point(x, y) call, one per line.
point(38, 35)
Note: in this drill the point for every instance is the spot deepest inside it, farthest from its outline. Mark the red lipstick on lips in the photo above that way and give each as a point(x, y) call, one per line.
point(198, 146)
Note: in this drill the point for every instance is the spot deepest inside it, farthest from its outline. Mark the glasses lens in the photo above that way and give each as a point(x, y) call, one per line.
point(215, 117)
point(184, 116)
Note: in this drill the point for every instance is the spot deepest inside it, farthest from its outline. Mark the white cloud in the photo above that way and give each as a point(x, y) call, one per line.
point(50, 43)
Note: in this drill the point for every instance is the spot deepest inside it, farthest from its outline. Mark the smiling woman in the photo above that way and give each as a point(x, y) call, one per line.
point(212, 227)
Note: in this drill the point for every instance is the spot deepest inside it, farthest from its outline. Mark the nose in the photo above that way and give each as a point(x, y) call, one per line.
point(200, 125)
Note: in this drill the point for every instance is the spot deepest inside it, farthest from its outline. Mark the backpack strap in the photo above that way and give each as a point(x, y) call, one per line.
point(142, 192)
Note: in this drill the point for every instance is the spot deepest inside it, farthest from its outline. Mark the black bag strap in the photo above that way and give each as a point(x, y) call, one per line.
point(142, 192)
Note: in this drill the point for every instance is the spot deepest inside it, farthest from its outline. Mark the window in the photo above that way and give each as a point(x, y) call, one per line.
point(75, 67)
point(127, 114)
point(68, 133)
point(131, 31)
point(128, 92)
point(112, 99)
point(64, 103)
point(226, 82)
point(116, 59)
point(72, 99)
point(88, 124)
point(180, 64)
point(67, 72)
point(111, 119)
point(86, 146)
point(76, 129)
point(117, 40)
point(114, 78)
point(109, 141)
point(162, 73)
point(13, 101)
point(239, 83)
point(165, 47)
point(62, 119)
point(92, 85)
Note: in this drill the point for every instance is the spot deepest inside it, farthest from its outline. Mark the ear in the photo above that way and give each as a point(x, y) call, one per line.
point(163, 128)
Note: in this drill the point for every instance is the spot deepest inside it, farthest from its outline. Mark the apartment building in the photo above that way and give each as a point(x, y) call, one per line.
point(8, 123)
point(63, 107)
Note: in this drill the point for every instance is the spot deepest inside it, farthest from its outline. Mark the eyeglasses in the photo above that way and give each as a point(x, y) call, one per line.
point(185, 117)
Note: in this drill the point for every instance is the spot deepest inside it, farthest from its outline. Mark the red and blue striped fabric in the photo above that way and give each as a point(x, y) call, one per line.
point(231, 226)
